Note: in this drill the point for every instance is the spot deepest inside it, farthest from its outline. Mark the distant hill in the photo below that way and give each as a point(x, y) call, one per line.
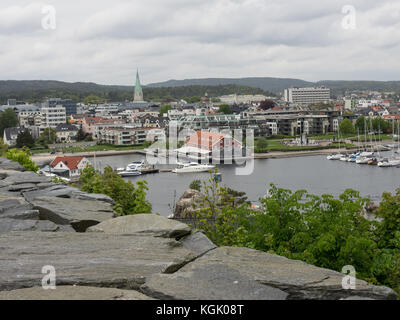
point(37, 90)
point(277, 85)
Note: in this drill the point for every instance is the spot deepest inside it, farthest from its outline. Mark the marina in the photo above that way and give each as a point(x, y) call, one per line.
point(312, 173)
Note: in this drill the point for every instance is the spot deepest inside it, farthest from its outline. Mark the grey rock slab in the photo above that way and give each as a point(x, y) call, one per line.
point(8, 225)
point(15, 207)
point(298, 279)
point(62, 191)
point(198, 243)
point(80, 214)
point(96, 259)
point(72, 293)
point(6, 164)
point(14, 177)
point(210, 282)
point(143, 224)
point(21, 187)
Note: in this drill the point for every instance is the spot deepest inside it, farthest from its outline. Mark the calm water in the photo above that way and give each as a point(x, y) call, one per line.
point(315, 174)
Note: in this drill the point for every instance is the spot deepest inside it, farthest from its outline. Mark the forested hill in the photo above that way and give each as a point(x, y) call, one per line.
point(277, 85)
point(37, 90)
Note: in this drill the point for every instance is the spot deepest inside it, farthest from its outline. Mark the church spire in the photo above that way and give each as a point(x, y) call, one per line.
point(138, 89)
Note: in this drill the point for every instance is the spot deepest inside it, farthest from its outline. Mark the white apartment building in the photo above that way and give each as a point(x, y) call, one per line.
point(123, 136)
point(307, 95)
point(53, 116)
point(234, 98)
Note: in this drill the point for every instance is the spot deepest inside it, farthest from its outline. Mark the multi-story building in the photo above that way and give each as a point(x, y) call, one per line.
point(123, 136)
point(69, 105)
point(66, 132)
point(306, 96)
point(53, 116)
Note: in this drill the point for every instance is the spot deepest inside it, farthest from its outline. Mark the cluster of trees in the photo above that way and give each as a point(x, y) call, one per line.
point(364, 124)
point(164, 108)
point(8, 119)
point(129, 198)
point(322, 230)
point(376, 124)
point(225, 109)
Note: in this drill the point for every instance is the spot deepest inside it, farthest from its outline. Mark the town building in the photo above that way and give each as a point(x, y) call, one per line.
point(69, 105)
point(66, 133)
point(10, 135)
point(204, 145)
point(68, 166)
point(305, 96)
point(123, 136)
point(52, 116)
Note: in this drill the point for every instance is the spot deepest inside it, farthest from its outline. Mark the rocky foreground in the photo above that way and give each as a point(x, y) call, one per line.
point(97, 255)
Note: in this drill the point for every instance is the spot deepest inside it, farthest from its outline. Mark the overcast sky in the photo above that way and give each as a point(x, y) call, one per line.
point(104, 41)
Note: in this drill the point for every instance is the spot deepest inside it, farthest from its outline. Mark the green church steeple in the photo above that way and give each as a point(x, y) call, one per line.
point(138, 89)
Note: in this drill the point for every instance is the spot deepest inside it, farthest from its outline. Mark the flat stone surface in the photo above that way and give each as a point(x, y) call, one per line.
point(143, 224)
point(211, 282)
point(20, 187)
point(198, 243)
point(298, 279)
point(14, 207)
point(6, 164)
point(62, 191)
point(80, 214)
point(90, 259)
point(14, 177)
point(8, 225)
point(72, 293)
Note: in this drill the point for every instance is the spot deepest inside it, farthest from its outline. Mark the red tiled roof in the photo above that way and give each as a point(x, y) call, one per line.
point(392, 116)
point(70, 162)
point(205, 138)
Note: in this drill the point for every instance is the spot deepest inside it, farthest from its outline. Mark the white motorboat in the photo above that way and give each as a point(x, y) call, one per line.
point(129, 173)
point(132, 167)
point(337, 156)
point(192, 167)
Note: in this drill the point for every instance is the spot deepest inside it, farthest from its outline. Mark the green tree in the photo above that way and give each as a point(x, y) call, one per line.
point(347, 127)
point(129, 198)
point(225, 109)
point(8, 119)
point(25, 139)
point(80, 136)
point(48, 136)
point(92, 99)
point(261, 145)
point(164, 108)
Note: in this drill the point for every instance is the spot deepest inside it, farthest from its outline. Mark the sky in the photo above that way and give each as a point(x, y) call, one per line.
point(106, 41)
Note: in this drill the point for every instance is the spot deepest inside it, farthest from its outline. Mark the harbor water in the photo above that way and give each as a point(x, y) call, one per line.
point(315, 174)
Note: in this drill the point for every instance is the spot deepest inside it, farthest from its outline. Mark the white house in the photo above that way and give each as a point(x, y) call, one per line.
point(69, 166)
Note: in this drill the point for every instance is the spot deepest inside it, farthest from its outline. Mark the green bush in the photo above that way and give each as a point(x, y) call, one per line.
point(22, 156)
point(195, 185)
point(322, 230)
point(129, 198)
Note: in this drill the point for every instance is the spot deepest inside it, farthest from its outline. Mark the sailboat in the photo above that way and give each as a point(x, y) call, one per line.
point(391, 162)
point(337, 156)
